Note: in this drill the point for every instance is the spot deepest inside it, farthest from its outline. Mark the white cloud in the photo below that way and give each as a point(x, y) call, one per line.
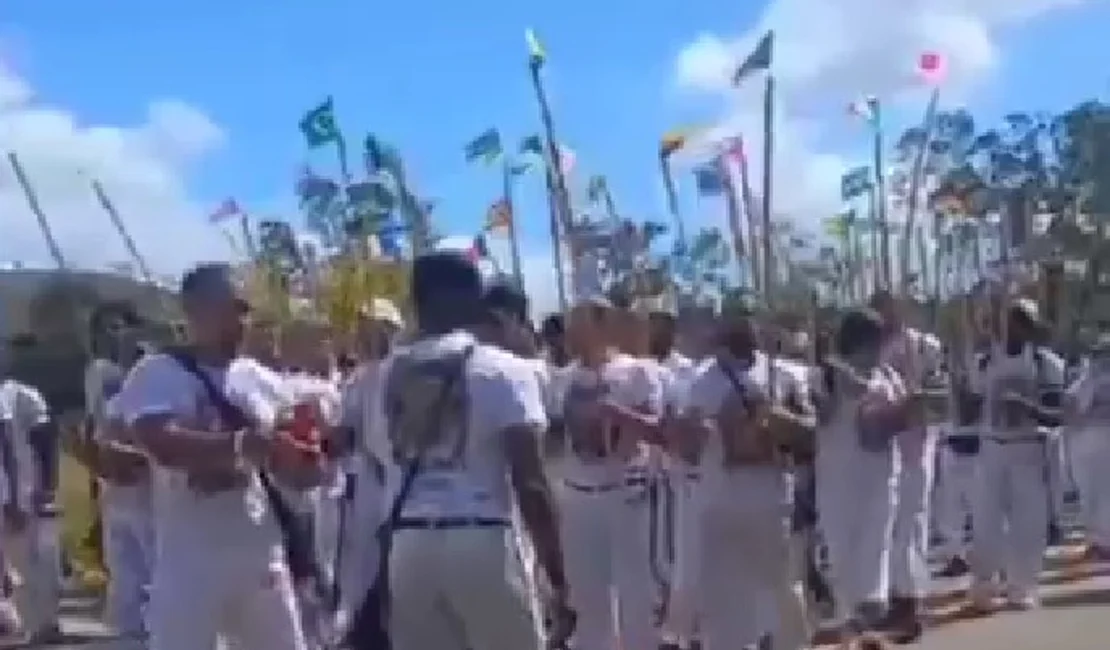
point(829, 53)
point(143, 168)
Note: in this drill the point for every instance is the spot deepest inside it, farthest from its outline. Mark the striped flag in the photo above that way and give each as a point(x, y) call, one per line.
point(227, 209)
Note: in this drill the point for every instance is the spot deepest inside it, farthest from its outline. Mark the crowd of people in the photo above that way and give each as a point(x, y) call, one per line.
point(621, 478)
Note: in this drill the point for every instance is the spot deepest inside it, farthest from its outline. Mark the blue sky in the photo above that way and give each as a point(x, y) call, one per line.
point(429, 75)
point(426, 76)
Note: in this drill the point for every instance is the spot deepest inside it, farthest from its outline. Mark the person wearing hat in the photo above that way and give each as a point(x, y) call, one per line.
point(1087, 405)
point(211, 423)
point(463, 421)
point(1023, 385)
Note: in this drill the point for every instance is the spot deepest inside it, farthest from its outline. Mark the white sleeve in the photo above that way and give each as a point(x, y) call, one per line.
point(648, 388)
point(6, 406)
point(157, 385)
point(513, 398)
point(37, 409)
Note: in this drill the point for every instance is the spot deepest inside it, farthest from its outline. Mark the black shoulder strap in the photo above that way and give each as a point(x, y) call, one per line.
point(412, 469)
point(297, 540)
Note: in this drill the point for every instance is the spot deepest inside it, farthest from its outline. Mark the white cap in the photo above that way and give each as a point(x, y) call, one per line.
point(383, 310)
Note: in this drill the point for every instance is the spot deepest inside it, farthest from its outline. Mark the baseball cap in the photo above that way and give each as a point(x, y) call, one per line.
point(212, 282)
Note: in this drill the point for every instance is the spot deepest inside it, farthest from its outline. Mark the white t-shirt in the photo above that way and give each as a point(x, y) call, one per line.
point(186, 520)
point(629, 381)
point(1030, 374)
point(466, 473)
point(24, 409)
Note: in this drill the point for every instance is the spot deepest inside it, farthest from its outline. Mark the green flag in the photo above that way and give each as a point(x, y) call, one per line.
point(319, 126)
point(486, 147)
point(536, 54)
point(757, 61)
point(532, 145)
point(379, 156)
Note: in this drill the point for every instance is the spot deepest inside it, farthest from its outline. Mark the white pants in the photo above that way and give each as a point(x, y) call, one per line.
point(1011, 515)
point(34, 555)
point(129, 554)
point(1090, 448)
point(203, 594)
point(857, 496)
point(909, 568)
point(747, 566)
point(607, 550)
point(955, 499)
point(681, 615)
point(359, 552)
point(459, 589)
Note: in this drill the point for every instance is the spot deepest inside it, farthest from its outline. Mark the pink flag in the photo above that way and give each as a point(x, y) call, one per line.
point(932, 67)
point(733, 148)
point(229, 208)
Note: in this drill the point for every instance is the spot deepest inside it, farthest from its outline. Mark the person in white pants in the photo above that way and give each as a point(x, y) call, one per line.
point(1021, 381)
point(744, 497)
point(31, 527)
point(860, 405)
point(1088, 432)
point(606, 519)
point(222, 573)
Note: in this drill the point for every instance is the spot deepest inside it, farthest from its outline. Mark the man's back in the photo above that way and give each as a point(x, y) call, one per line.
point(456, 580)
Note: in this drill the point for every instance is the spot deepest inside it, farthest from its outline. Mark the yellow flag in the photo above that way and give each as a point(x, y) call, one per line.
point(676, 139)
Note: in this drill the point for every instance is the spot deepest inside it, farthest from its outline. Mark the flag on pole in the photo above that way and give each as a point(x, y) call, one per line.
point(499, 217)
point(676, 139)
point(865, 109)
point(319, 126)
point(532, 145)
point(932, 67)
point(855, 183)
point(567, 159)
point(596, 188)
point(537, 56)
point(225, 210)
point(708, 179)
point(733, 148)
point(485, 148)
point(758, 61)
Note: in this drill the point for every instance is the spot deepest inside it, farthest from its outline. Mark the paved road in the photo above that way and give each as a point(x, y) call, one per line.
point(1075, 615)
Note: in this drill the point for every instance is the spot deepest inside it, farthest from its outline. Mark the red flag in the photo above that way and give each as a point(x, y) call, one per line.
point(932, 67)
point(229, 208)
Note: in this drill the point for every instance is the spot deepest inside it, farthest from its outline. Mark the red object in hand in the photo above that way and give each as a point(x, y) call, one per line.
point(305, 426)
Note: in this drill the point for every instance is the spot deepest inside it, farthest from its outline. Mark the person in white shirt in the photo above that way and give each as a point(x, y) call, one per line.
point(745, 499)
point(31, 519)
point(606, 514)
point(1022, 388)
point(223, 558)
point(368, 456)
point(861, 404)
point(125, 499)
point(1088, 429)
point(915, 355)
point(464, 421)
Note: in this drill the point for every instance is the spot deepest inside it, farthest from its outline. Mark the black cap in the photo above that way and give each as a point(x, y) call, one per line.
point(212, 282)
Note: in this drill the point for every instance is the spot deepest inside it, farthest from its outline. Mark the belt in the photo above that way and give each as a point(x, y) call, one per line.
point(1011, 440)
point(449, 523)
point(591, 489)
